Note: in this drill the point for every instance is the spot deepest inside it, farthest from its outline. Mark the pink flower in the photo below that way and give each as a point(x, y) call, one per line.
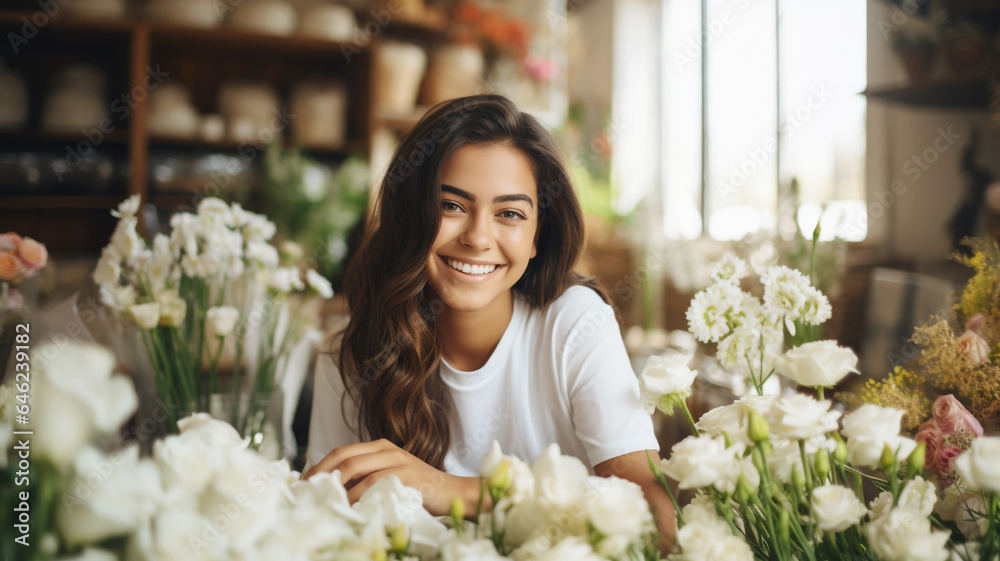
point(11, 268)
point(10, 242)
point(34, 254)
point(951, 416)
point(975, 324)
point(945, 459)
point(974, 348)
point(930, 434)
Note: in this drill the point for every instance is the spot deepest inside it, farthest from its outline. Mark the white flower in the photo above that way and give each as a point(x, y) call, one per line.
point(836, 508)
point(881, 505)
point(696, 538)
point(786, 456)
point(729, 269)
point(284, 280)
point(918, 496)
point(396, 505)
point(784, 294)
point(730, 419)
point(816, 308)
point(558, 479)
point(92, 554)
point(221, 320)
point(478, 550)
point(107, 496)
point(118, 297)
point(519, 474)
point(109, 268)
point(146, 316)
point(711, 310)
point(800, 417)
point(127, 208)
point(904, 535)
point(574, 548)
point(81, 398)
point(701, 509)
point(262, 254)
point(319, 284)
point(212, 432)
point(173, 308)
point(664, 375)
point(618, 510)
point(701, 461)
point(962, 507)
point(325, 491)
point(127, 243)
point(979, 466)
point(869, 429)
point(820, 363)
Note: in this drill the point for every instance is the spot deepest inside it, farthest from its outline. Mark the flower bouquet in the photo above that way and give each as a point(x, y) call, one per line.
point(20, 259)
point(211, 289)
point(783, 477)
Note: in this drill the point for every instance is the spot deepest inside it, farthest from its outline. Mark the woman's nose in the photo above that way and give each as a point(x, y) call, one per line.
point(478, 232)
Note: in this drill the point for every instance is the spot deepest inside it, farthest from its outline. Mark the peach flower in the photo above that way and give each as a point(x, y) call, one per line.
point(974, 348)
point(930, 434)
point(33, 254)
point(10, 242)
point(951, 416)
point(11, 268)
point(975, 324)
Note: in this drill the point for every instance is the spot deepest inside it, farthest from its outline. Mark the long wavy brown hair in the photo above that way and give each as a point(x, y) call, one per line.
point(389, 352)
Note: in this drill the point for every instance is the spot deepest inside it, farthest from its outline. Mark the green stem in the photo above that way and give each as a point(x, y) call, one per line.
point(819, 392)
point(687, 415)
point(663, 483)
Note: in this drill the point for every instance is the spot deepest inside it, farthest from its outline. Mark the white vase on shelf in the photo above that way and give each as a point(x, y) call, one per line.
point(399, 68)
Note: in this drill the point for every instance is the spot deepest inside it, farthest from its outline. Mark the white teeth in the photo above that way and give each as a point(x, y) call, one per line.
point(471, 269)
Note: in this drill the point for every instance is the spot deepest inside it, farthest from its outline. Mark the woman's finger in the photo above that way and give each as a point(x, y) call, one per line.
point(357, 467)
point(340, 453)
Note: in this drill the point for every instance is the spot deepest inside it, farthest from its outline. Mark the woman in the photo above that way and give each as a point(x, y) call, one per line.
point(468, 324)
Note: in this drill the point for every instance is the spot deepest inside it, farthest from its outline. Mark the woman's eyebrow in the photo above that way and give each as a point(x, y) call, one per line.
point(500, 199)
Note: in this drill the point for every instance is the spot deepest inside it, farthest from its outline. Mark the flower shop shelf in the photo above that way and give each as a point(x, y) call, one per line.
point(350, 147)
point(954, 94)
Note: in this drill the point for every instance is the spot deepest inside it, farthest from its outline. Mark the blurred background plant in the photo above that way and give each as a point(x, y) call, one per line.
point(315, 205)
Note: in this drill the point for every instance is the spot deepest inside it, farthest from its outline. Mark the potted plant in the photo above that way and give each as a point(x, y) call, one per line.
point(964, 44)
point(916, 46)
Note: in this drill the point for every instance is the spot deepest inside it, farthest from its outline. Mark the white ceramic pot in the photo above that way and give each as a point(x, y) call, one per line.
point(113, 9)
point(320, 109)
point(273, 17)
point(326, 21)
point(193, 13)
point(399, 68)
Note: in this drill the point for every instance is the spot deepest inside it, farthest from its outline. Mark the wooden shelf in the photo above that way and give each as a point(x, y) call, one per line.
point(176, 36)
point(94, 25)
point(953, 94)
point(117, 136)
point(350, 147)
point(62, 202)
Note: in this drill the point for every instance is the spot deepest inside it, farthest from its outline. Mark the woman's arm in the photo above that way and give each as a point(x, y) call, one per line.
point(635, 467)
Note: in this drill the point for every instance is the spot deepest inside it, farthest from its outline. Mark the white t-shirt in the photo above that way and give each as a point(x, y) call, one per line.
point(560, 376)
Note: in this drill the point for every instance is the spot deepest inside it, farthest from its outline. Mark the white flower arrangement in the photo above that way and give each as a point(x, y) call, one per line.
point(215, 279)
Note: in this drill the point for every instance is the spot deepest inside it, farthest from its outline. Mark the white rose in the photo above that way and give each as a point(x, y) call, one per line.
point(221, 320)
point(665, 375)
point(107, 496)
point(820, 363)
point(700, 461)
point(836, 508)
point(146, 316)
point(979, 466)
point(869, 429)
point(800, 417)
point(918, 496)
point(185, 462)
point(79, 397)
point(319, 284)
point(881, 505)
point(904, 535)
point(618, 510)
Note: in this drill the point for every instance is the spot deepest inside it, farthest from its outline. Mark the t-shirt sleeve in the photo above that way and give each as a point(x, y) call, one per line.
point(603, 389)
point(327, 429)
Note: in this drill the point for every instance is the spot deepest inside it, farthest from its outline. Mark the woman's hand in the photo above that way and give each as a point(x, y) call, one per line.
point(362, 464)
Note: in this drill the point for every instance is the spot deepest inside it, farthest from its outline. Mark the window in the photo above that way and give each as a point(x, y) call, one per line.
point(756, 93)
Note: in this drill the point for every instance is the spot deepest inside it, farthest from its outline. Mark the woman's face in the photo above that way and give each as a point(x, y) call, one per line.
point(489, 225)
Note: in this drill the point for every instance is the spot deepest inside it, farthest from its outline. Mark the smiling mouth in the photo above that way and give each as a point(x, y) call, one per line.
point(471, 270)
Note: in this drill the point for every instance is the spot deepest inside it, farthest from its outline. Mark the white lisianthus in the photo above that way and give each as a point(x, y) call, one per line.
point(319, 284)
point(212, 432)
point(702, 461)
point(519, 477)
point(81, 396)
point(979, 466)
point(729, 419)
point(836, 508)
point(729, 269)
point(108, 496)
point(785, 455)
point(869, 429)
point(880, 505)
point(120, 298)
point(697, 537)
point(800, 417)
point(904, 535)
point(146, 316)
point(711, 309)
point(128, 207)
point(284, 280)
point(618, 510)
point(820, 363)
point(918, 496)
point(574, 548)
point(558, 479)
point(664, 376)
point(173, 308)
point(478, 550)
point(222, 320)
point(964, 508)
point(396, 504)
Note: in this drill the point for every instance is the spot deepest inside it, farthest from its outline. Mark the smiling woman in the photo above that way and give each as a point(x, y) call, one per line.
point(469, 325)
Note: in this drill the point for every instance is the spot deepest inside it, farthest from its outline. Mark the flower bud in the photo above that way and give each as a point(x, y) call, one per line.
point(915, 462)
point(457, 510)
point(757, 458)
point(499, 480)
point(379, 555)
point(744, 491)
point(757, 428)
point(398, 540)
point(727, 439)
point(783, 521)
point(822, 463)
point(840, 452)
point(887, 459)
point(798, 480)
